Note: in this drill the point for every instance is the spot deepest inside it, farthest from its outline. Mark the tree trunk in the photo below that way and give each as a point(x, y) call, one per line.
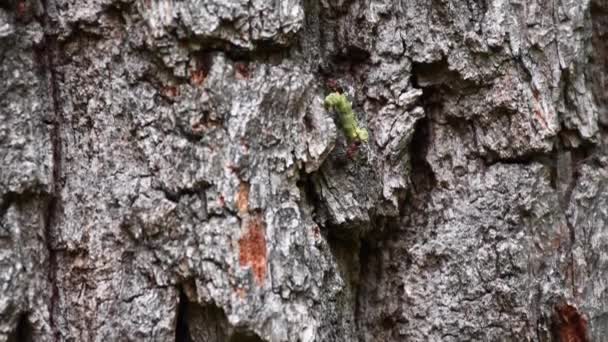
point(170, 172)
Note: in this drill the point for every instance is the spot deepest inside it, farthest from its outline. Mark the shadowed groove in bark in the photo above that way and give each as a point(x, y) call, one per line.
point(49, 49)
point(565, 176)
point(181, 326)
point(206, 323)
point(23, 331)
point(376, 271)
point(378, 250)
point(345, 246)
point(366, 254)
point(422, 177)
point(12, 198)
point(599, 58)
point(242, 337)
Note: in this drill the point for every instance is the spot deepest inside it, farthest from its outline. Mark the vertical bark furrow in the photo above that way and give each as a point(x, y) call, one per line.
point(50, 50)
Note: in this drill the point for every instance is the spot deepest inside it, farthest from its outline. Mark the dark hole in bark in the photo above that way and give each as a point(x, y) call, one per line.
point(182, 333)
point(207, 323)
point(366, 256)
point(422, 177)
point(425, 75)
point(355, 54)
point(16, 199)
point(204, 61)
point(244, 337)
point(23, 331)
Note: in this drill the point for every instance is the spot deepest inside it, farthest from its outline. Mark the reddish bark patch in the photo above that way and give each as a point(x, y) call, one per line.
point(252, 247)
point(198, 127)
point(352, 149)
point(170, 91)
point(242, 70)
point(541, 118)
point(537, 109)
point(233, 168)
point(202, 125)
point(242, 199)
point(571, 326)
point(22, 8)
point(197, 77)
point(244, 145)
point(316, 231)
point(332, 85)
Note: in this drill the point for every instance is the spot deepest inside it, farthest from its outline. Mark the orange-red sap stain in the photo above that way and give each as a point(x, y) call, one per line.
point(252, 247)
point(242, 199)
point(572, 326)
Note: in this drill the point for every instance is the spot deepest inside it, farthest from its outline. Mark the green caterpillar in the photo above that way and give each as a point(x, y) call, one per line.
point(340, 103)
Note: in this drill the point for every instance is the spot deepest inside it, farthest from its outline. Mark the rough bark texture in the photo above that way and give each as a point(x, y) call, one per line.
point(169, 171)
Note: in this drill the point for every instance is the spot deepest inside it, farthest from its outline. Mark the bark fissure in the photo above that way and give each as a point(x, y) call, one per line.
point(13, 198)
point(182, 333)
point(50, 50)
point(422, 176)
point(23, 330)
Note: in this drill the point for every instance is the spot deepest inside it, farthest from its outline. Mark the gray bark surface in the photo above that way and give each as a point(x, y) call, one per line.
point(170, 173)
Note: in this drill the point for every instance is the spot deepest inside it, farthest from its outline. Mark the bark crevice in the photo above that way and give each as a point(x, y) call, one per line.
point(23, 330)
point(50, 50)
point(182, 333)
point(207, 323)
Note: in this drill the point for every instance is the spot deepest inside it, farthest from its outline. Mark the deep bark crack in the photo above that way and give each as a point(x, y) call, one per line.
point(49, 49)
point(23, 331)
point(182, 333)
